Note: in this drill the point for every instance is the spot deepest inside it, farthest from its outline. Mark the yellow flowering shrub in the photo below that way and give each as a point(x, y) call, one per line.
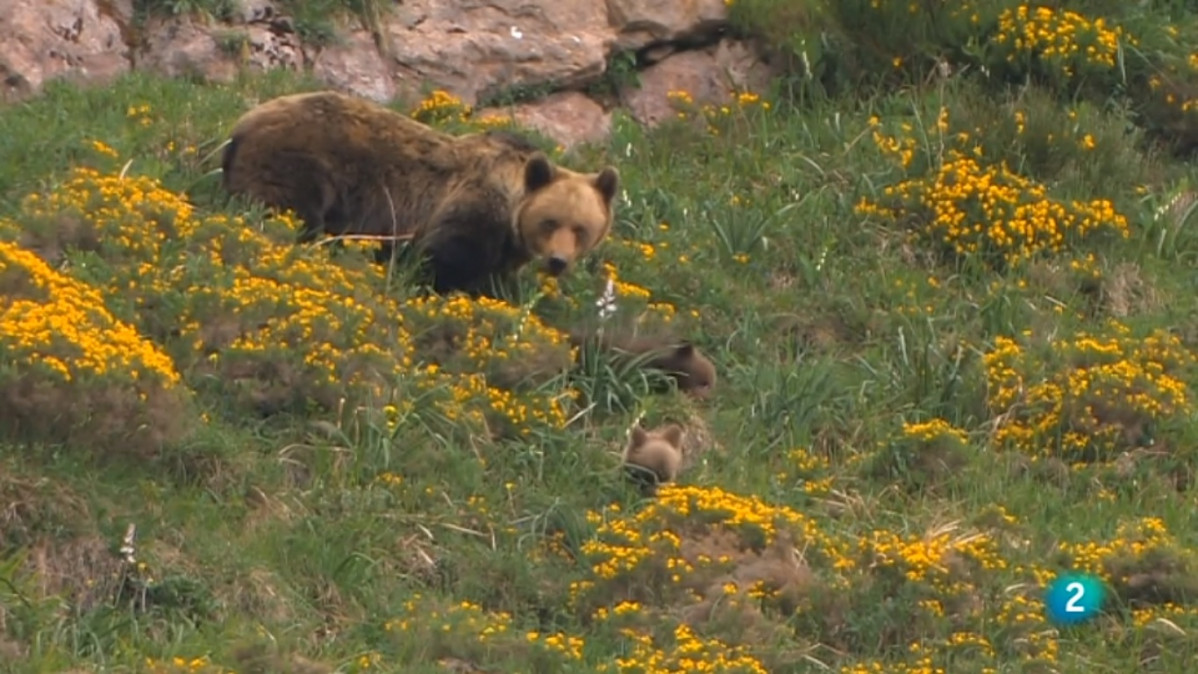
point(1060, 42)
point(615, 296)
point(441, 106)
point(716, 118)
point(921, 454)
point(929, 656)
point(132, 224)
point(1134, 541)
point(1171, 93)
point(278, 323)
point(62, 325)
point(1028, 638)
point(132, 215)
point(428, 629)
point(180, 665)
point(1167, 95)
point(683, 651)
point(718, 563)
point(68, 362)
point(442, 109)
point(244, 310)
point(975, 209)
point(485, 335)
point(633, 302)
point(1087, 397)
point(295, 324)
point(808, 471)
point(937, 562)
point(1144, 564)
point(497, 354)
point(686, 540)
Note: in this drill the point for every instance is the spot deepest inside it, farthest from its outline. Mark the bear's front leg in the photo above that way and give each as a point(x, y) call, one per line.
point(464, 248)
point(458, 264)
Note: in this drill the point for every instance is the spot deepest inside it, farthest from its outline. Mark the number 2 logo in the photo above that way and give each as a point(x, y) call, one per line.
point(1077, 591)
point(1074, 598)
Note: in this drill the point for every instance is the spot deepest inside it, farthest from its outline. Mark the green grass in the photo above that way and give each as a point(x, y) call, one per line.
point(856, 415)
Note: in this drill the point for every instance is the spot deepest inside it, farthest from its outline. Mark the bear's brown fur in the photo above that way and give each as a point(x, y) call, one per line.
point(654, 457)
point(477, 206)
point(692, 372)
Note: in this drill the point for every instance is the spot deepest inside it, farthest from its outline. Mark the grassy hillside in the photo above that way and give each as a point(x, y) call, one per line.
point(954, 319)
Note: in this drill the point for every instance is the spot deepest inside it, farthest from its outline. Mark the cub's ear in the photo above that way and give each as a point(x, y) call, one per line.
point(607, 182)
point(685, 349)
point(538, 172)
point(673, 435)
point(638, 436)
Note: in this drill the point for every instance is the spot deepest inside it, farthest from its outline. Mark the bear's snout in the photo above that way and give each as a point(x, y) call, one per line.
point(556, 265)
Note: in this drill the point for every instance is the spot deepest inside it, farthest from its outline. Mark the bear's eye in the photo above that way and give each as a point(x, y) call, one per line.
point(548, 226)
point(580, 234)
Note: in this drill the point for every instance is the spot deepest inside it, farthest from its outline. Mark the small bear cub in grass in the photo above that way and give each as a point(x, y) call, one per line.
point(692, 371)
point(654, 457)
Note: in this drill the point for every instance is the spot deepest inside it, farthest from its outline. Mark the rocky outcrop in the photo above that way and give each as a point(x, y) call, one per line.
point(479, 50)
point(706, 74)
point(80, 40)
point(569, 117)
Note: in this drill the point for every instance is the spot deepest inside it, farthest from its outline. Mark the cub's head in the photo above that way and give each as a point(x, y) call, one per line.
point(693, 372)
point(657, 452)
point(563, 214)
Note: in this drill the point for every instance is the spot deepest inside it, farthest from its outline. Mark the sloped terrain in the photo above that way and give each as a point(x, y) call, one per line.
point(954, 316)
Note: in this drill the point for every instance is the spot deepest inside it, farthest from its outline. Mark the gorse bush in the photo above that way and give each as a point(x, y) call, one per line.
point(1057, 45)
point(490, 349)
point(245, 312)
point(1090, 397)
point(72, 372)
point(425, 629)
point(983, 210)
point(718, 555)
point(994, 213)
point(224, 298)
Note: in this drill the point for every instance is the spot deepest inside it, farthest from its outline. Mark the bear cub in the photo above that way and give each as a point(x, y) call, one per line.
point(693, 373)
point(654, 457)
point(476, 207)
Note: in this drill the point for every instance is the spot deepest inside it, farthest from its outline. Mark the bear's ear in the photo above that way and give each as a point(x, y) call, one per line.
point(538, 172)
point(638, 436)
point(673, 435)
point(607, 182)
point(685, 350)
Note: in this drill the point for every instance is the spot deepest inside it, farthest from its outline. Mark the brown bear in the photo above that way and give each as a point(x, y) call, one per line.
point(654, 457)
point(475, 206)
point(693, 373)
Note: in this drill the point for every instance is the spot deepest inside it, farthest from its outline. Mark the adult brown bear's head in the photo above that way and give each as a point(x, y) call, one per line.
point(564, 214)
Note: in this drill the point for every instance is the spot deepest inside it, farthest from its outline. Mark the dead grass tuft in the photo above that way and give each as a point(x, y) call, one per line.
point(749, 603)
point(1125, 292)
point(83, 571)
point(10, 651)
point(418, 558)
point(264, 658)
point(921, 464)
point(830, 329)
point(31, 507)
point(1159, 576)
point(137, 420)
point(51, 237)
point(258, 593)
